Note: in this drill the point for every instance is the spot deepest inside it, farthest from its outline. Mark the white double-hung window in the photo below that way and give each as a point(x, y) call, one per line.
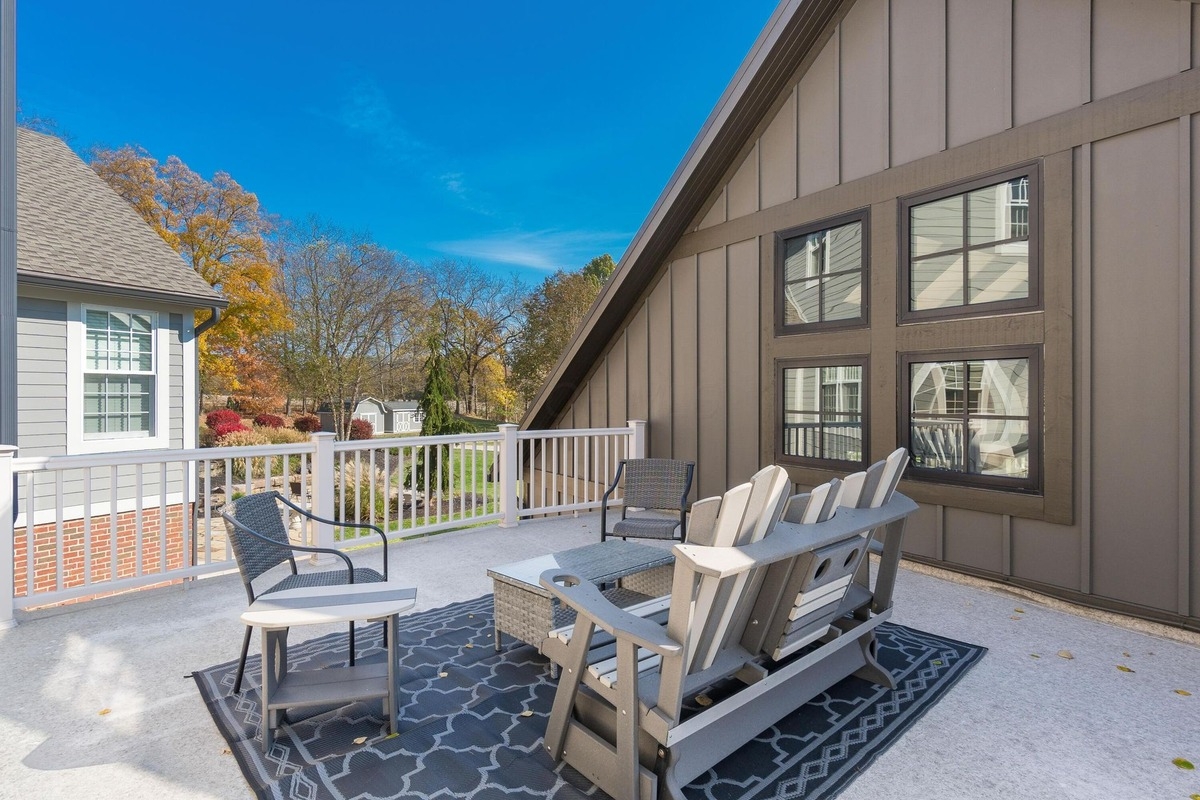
point(118, 374)
point(117, 381)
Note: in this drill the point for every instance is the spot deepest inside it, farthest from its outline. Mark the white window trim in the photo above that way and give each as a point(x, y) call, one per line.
point(160, 439)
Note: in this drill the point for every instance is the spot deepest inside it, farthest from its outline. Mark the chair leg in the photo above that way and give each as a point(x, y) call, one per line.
point(237, 682)
point(352, 644)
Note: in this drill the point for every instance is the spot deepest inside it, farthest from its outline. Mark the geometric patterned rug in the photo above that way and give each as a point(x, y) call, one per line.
point(471, 721)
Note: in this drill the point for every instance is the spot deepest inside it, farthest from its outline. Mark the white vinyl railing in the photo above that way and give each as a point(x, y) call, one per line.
point(86, 526)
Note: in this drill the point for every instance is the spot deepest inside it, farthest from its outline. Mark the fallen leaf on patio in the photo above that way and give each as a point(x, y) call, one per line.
point(1019, 610)
point(703, 700)
point(361, 740)
point(1014, 616)
point(1034, 655)
point(443, 674)
point(104, 711)
point(470, 616)
point(1183, 763)
point(1123, 668)
point(1194, 797)
point(1127, 655)
point(936, 663)
point(527, 713)
point(1183, 692)
point(1066, 654)
point(470, 645)
point(226, 752)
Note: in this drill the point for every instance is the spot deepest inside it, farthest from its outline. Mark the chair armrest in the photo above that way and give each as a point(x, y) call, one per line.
point(305, 512)
point(586, 599)
point(604, 501)
point(299, 547)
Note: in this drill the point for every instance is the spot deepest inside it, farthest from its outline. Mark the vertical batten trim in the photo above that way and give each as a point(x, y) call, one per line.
point(1185, 363)
point(887, 82)
point(1085, 56)
point(1006, 544)
point(1185, 37)
point(836, 41)
point(943, 87)
point(939, 532)
point(795, 148)
point(1007, 66)
point(1084, 309)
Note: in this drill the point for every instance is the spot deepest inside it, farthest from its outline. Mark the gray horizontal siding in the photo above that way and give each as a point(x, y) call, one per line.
point(41, 376)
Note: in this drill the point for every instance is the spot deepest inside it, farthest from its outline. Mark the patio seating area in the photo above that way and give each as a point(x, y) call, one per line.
point(97, 703)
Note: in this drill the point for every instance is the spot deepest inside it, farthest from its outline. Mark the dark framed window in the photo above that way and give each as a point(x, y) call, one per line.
point(974, 417)
point(821, 275)
point(822, 408)
point(972, 248)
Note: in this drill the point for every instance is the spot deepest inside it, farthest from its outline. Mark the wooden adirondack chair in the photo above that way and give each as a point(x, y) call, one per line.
point(774, 603)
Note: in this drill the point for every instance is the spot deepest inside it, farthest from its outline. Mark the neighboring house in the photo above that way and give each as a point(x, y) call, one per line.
point(106, 340)
point(394, 416)
point(966, 228)
point(403, 416)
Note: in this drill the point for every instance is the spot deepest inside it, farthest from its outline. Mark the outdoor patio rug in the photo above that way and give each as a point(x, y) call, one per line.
point(472, 719)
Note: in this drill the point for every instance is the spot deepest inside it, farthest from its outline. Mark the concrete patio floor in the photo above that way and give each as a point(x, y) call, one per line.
point(95, 702)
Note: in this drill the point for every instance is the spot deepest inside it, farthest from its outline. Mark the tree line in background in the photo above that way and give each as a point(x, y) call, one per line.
point(322, 316)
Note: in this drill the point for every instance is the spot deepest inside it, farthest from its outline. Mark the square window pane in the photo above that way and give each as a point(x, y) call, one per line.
point(802, 303)
point(936, 226)
point(842, 440)
point(937, 282)
point(96, 319)
point(1000, 447)
point(988, 214)
point(936, 387)
point(845, 248)
point(140, 422)
point(93, 423)
point(118, 321)
point(843, 297)
point(800, 389)
point(938, 444)
point(999, 272)
point(801, 435)
point(1003, 387)
point(141, 322)
point(804, 256)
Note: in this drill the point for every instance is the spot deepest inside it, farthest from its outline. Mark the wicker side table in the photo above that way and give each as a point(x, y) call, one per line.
point(526, 611)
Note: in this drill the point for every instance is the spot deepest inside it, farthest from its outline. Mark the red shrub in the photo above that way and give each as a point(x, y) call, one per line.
point(269, 421)
point(361, 429)
point(223, 416)
point(307, 423)
point(223, 429)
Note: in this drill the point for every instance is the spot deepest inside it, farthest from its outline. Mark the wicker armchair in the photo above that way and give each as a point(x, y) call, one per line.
point(260, 543)
point(655, 499)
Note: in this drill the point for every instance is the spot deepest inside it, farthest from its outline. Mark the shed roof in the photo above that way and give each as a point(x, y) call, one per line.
point(795, 28)
point(74, 231)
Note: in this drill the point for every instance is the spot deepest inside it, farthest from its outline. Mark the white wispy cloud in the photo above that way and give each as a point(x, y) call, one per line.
point(365, 109)
point(545, 250)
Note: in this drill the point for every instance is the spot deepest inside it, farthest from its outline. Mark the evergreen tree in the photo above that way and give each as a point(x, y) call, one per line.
point(436, 420)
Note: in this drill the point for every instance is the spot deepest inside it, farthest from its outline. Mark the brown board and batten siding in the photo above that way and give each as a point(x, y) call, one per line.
point(893, 99)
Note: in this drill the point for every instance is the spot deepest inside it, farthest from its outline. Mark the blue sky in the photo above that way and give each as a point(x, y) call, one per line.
point(521, 136)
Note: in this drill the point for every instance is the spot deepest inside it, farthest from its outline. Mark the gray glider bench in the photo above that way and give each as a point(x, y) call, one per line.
point(771, 604)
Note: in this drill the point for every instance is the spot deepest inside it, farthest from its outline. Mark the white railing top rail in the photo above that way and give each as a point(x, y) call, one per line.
point(572, 432)
point(39, 463)
point(416, 441)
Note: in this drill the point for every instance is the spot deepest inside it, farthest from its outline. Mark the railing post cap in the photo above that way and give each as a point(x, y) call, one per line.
point(8, 449)
point(323, 435)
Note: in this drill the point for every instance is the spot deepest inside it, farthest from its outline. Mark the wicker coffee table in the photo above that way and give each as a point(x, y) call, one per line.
point(527, 612)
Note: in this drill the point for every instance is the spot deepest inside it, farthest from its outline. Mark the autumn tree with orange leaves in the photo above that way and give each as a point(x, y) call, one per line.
point(220, 230)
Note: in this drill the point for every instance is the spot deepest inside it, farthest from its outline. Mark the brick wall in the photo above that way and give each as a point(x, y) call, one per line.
point(45, 551)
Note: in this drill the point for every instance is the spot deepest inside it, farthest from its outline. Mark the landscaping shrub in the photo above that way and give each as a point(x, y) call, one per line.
point(223, 430)
point(269, 421)
point(258, 466)
point(307, 423)
point(223, 416)
point(283, 435)
point(361, 429)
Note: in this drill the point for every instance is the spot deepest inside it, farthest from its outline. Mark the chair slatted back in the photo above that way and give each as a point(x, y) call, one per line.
point(260, 513)
point(658, 483)
point(818, 582)
point(719, 605)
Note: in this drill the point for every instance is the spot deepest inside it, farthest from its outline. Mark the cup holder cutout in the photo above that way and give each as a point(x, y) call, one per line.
point(853, 554)
point(822, 569)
